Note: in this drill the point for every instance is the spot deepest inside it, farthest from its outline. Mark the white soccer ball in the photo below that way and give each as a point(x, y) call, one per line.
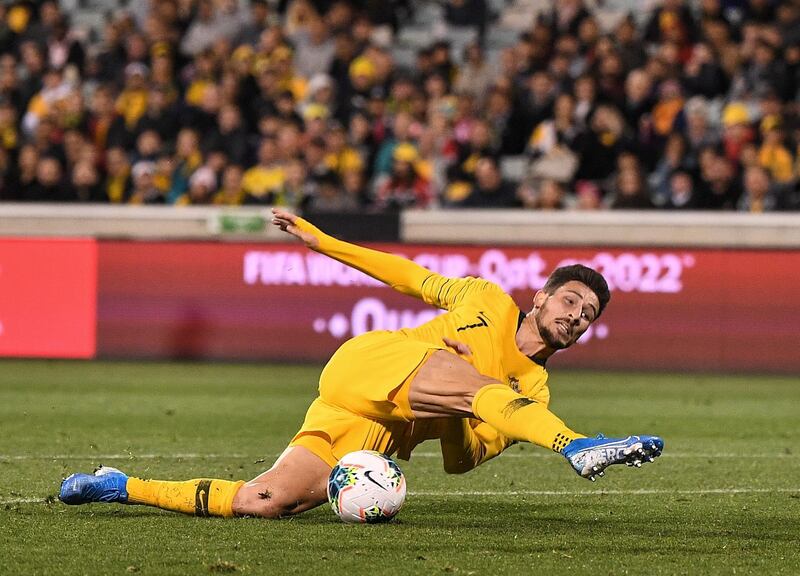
point(366, 487)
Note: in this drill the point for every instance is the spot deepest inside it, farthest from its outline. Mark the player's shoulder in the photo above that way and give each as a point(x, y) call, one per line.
point(491, 293)
point(480, 285)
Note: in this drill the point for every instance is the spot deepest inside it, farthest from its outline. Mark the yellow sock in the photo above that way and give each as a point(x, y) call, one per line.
point(521, 418)
point(201, 497)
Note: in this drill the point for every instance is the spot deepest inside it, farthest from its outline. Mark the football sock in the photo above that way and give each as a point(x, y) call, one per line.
point(521, 418)
point(201, 497)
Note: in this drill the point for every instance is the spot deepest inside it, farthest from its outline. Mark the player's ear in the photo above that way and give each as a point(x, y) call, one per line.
point(539, 298)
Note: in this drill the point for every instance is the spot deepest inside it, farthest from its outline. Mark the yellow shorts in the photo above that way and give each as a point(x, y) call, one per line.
point(363, 396)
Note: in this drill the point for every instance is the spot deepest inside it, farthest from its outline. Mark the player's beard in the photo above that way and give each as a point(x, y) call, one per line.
point(550, 338)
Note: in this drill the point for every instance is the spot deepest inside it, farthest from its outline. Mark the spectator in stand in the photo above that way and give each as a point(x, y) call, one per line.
point(254, 24)
point(588, 196)
point(698, 131)
point(132, 101)
point(341, 157)
point(467, 13)
point(229, 134)
point(680, 191)
point(765, 72)
point(329, 195)
point(560, 131)
point(702, 75)
point(355, 187)
point(188, 158)
point(23, 178)
point(631, 192)
point(202, 187)
point(759, 195)
point(144, 190)
point(118, 176)
point(585, 100)
point(736, 130)
point(86, 182)
point(214, 21)
point(566, 16)
point(314, 48)
point(215, 78)
point(547, 195)
point(672, 160)
point(6, 176)
point(402, 129)
point(476, 74)
point(541, 95)
point(231, 193)
point(490, 189)
point(719, 186)
point(9, 133)
point(49, 185)
point(601, 144)
point(626, 39)
point(773, 154)
point(404, 187)
point(296, 189)
point(266, 176)
point(639, 99)
point(671, 22)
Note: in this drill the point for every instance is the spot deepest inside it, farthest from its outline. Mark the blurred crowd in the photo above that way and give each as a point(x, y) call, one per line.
point(303, 103)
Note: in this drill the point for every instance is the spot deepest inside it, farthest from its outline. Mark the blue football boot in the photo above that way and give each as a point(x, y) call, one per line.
point(105, 485)
point(590, 456)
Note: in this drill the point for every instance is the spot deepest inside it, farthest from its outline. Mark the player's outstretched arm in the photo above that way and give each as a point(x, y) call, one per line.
point(400, 273)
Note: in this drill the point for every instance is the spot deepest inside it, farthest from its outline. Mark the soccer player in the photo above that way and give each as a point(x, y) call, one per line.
point(474, 378)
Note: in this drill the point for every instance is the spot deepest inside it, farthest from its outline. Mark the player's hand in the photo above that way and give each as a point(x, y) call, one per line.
point(288, 222)
point(458, 347)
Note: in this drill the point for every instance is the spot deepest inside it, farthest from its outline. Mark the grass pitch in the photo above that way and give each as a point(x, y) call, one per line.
point(724, 498)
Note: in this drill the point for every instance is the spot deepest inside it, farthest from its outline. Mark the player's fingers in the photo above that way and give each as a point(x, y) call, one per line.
point(282, 214)
point(459, 347)
point(308, 239)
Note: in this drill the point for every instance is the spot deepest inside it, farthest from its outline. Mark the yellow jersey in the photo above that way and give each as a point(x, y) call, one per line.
point(479, 314)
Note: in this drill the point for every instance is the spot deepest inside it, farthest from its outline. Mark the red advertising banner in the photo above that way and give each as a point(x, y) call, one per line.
point(48, 290)
point(670, 309)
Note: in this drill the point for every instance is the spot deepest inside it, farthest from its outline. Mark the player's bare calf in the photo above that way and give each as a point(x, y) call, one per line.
point(296, 482)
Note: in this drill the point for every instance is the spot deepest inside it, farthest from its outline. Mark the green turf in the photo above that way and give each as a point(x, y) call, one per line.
point(724, 498)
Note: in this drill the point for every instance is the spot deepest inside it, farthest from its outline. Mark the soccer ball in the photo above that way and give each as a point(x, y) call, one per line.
point(366, 487)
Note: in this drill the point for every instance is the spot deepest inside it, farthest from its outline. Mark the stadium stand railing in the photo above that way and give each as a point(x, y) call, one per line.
point(485, 227)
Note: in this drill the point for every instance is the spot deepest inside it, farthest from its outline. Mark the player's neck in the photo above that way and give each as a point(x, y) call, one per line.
point(530, 342)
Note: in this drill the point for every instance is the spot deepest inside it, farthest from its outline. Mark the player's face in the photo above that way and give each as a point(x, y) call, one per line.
point(563, 316)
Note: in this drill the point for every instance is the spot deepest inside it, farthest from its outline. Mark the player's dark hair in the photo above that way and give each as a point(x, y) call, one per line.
point(583, 274)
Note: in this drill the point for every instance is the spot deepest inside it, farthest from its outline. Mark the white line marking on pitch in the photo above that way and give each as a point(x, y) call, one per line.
point(193, 456)
point(131, 456)
point(641, 492)
point(644, 491)
point(21, 501)
point(664, 455)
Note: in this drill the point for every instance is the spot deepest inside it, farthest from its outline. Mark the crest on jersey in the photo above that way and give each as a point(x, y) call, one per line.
point(513, 383)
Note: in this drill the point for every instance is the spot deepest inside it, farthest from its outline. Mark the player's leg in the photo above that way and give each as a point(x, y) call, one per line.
point(200, 496)
point(447, 385)
point(296, 482)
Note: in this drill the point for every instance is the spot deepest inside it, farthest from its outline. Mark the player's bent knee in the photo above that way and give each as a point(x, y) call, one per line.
point(445, 386)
